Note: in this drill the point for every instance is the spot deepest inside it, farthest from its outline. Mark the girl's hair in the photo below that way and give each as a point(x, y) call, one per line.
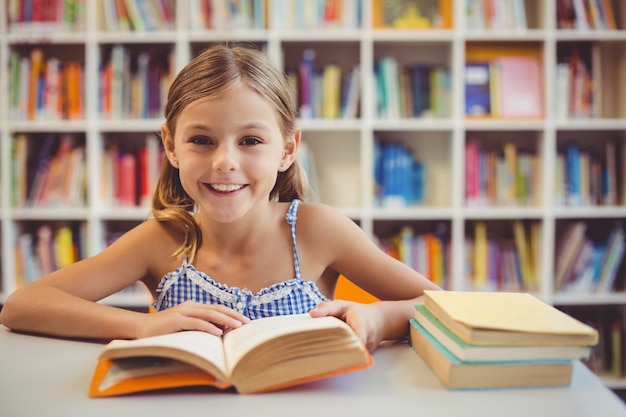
point(211, 75)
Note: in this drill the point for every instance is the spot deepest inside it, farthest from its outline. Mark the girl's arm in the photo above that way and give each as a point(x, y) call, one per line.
point(64, 303)
point(352, 253)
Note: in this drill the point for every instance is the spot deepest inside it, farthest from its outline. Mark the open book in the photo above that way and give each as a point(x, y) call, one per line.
point(264, 355)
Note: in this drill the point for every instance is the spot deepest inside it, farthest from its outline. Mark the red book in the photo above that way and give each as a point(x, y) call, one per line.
point(127, 180)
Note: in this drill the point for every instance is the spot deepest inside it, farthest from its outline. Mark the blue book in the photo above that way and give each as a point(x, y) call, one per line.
point(477, 89)
point(572, 158)
point(419, 76)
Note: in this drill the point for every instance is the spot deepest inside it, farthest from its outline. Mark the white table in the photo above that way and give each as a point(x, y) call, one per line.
point(43, 376)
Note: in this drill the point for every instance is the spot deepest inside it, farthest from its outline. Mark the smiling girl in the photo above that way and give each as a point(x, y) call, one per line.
point(232, 237)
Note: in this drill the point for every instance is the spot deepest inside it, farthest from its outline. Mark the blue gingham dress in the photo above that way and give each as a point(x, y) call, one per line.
point(293, 296)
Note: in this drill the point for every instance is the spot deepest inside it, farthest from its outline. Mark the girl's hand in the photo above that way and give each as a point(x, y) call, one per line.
point(365, 319)
point(190, 315)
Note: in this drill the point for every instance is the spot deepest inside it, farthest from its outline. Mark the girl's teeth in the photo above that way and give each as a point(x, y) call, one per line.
point(226, 187)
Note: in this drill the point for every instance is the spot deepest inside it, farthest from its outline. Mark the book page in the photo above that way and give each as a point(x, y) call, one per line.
point(240, 341)
point(202, 345)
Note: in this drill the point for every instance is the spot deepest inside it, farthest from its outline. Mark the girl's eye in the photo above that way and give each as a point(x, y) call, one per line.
point(249, 141)
point(200, 140)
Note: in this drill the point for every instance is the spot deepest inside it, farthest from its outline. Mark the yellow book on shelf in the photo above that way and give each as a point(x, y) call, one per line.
point(64, 247)
point(481, 261)
point(412, 14)
point(331, 94)
point(510, 164)
point(523, 252)
point(513, 318)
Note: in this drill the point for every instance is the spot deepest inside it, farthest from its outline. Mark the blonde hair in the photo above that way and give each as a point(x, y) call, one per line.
point(209, 75)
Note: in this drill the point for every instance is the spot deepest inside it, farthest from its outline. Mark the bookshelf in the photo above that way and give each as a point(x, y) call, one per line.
point(344, 148)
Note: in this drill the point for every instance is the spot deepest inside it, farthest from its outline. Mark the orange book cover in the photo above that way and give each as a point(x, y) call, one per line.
point(73, 75)
point(264, 355)
point(36, 72)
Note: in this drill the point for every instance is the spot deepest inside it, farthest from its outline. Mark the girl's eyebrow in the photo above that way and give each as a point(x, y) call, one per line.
point(207, 128)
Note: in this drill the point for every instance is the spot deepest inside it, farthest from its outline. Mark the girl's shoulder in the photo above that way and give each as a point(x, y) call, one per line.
point(320, 218)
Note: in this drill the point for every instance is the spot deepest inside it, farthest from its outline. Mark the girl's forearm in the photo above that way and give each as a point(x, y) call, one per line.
point(49, 310)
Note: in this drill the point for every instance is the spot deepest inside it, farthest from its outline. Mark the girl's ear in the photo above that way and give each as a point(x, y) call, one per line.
point(290, 151)
point(168, 145)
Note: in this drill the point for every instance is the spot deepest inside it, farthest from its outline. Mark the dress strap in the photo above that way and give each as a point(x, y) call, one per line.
point(291, 219)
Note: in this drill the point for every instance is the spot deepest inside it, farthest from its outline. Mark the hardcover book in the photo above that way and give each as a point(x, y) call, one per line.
point(264, 355)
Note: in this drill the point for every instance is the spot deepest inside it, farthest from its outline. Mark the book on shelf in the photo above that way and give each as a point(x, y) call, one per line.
point(264, 355)
point(499, 15)
point(519, 86)
point(585, 14)
point(479, 340)
point(525, 256)
point(427, 252)
point(331, 94)
point(589, 266)
point(412, 14)
point(567, 250)
point(399, 176)
point(477, 89)
point(316, 15)
point(514, 318)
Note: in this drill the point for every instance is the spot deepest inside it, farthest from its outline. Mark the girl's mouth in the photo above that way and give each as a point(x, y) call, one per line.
point(226, 188)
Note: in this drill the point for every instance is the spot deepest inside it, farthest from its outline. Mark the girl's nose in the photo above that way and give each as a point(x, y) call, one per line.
point(225, 158)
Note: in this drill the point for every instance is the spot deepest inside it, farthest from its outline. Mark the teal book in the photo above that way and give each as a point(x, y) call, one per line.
point(455, 374)
point(489, 353)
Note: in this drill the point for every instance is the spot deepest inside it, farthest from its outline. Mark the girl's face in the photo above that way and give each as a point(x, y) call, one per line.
point(229, 151)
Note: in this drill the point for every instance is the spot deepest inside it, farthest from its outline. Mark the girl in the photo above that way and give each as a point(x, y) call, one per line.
point(230, 239)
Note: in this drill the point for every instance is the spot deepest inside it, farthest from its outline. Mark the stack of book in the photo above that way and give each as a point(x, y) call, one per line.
point(474, 340)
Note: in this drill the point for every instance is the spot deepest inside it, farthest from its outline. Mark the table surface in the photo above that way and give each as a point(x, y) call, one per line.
point(44, 376)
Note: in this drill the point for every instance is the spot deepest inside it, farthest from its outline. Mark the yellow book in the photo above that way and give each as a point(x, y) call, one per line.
point(64, 247)
point(510, 161)
point(523, 253)
point(331, 95)
point(481, 261)
point(492, 318)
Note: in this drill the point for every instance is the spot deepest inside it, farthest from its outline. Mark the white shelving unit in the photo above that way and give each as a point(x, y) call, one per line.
point(343, 149)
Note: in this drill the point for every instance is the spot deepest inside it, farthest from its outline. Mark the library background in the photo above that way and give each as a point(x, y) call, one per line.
point(482, 142)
